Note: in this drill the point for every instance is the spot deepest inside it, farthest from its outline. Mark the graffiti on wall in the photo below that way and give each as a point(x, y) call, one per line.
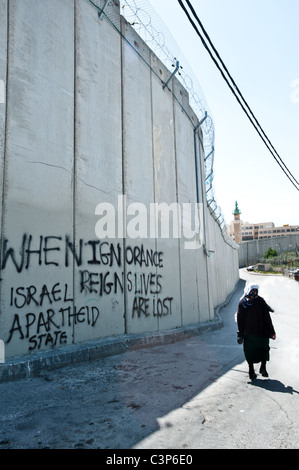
point(45, 313)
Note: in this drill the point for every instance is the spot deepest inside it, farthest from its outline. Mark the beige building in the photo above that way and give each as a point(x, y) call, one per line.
point(243, 231)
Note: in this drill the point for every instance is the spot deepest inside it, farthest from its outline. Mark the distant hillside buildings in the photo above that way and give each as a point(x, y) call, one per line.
point(241, 231)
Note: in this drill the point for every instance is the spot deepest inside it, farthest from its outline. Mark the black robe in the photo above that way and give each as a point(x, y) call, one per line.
point(255, 326)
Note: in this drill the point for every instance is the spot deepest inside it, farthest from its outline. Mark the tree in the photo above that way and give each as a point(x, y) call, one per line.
point(270, 253)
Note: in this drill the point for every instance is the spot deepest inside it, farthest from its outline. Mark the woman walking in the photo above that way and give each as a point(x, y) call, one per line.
point(254, 329)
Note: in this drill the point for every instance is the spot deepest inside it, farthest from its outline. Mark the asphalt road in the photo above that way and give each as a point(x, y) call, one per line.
point(193, 394)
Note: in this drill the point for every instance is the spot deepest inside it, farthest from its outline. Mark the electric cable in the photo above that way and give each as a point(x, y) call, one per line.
point(233, 87)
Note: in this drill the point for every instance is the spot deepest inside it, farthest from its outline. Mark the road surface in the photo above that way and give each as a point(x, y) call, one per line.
point(192, 394)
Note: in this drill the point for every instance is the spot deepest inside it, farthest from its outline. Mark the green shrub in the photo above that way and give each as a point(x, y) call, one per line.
point(270, 253)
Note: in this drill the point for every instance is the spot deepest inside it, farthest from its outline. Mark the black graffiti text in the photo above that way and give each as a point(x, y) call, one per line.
point(21, 296)
point(55, 338)
point(49, 325)
point(112, 282)
point(58, 251)
point(146, 306)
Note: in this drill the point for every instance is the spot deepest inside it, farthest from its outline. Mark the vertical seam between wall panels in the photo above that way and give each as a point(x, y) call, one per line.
point(122, 25)
point(4, 165)
point(74, 152)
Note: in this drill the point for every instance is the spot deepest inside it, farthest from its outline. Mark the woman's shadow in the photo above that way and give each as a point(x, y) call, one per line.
point(273, 386)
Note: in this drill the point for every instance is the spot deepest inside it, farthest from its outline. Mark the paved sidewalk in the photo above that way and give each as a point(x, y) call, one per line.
point(164, 397)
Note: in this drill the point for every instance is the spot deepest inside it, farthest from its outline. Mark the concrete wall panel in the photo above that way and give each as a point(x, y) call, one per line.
point(187, 194)
point(142, 280)
point(3, 66)
point(206, 307)
point(99, 280)
point(212, 260)
point(37, 209)
point(165, 184)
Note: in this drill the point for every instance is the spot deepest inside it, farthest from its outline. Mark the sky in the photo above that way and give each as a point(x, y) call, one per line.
point(258, 41)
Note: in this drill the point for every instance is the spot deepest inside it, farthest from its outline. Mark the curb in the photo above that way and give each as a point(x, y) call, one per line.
point(26, 367)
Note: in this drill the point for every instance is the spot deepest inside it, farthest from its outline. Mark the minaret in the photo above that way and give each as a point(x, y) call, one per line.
point(237, 224)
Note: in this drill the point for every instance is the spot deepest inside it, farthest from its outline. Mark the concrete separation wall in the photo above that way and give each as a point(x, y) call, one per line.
point(252, 251)
point(89, 139)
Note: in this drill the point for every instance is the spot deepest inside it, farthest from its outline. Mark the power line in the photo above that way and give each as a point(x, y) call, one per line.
point(234, 88)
